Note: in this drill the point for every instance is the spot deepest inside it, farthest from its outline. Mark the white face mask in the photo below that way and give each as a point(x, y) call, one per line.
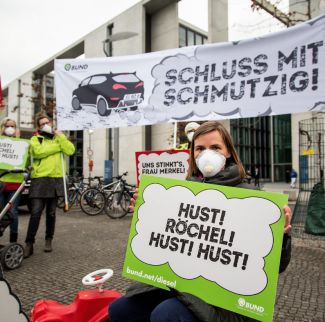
point(9, 131)
point(190, 136)
point(46, 128)
point(210, 162)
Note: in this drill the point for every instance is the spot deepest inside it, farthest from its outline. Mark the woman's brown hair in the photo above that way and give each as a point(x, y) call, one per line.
point(208, 127)
point(41, 115)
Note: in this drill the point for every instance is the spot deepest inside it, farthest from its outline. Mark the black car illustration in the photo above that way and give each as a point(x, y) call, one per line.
point(107, 92)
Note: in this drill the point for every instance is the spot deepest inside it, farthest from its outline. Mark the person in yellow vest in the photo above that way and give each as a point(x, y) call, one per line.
point(46, 183)
point(189, 132)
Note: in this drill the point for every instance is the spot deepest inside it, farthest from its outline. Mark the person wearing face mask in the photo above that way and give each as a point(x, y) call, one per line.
point(46, 183)
point(13, 180)
point(213, 160)
point(189, 132)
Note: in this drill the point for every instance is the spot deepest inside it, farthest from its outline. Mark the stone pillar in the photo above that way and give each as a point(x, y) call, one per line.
point(218, 21)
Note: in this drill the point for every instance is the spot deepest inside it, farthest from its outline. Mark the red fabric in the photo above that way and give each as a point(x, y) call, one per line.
point(13, 186)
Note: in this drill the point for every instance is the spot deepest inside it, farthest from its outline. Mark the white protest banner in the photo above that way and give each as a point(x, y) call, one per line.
point(13, 153)
point(208, 240)
point(280, 73)
point(162, 164)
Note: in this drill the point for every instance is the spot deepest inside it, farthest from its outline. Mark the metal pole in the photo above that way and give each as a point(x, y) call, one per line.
point(175, 134)
point(3, 212)
point(116, 152)
point(64, 184)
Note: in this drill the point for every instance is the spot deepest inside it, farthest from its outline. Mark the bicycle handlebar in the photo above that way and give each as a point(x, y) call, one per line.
point(15, 171)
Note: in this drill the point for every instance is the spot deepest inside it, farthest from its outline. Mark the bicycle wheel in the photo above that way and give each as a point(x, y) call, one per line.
point(115, 209)
point(92, 202)
point(61, 201)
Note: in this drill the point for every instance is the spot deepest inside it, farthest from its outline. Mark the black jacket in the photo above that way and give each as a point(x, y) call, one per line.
point(203, 311)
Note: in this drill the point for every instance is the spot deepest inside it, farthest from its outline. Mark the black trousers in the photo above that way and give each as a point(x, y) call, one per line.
point(37, 207)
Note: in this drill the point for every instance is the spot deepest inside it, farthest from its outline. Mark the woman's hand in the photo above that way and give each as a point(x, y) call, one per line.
point(58, 132)
point(288, 215)
point(133, 200)
point(169, 150)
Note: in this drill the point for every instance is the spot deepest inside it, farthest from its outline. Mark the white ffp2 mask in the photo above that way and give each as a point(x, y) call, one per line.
point(210, 162)
point(46, 128)
point(190, 136)
point(9, 131)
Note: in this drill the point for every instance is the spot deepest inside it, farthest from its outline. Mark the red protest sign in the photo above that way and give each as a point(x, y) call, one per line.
point(163, 164)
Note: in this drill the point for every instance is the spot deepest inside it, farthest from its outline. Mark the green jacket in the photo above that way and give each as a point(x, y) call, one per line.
point(47, 155)
point(184, 146)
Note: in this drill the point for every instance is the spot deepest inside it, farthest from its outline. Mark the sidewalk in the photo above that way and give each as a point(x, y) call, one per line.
point(281, 187)
point(83, 244)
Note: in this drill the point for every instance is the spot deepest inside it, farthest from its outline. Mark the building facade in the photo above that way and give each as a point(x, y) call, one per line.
point(269, 143)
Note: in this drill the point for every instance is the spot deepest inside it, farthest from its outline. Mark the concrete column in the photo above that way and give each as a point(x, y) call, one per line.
point(218, 21)
point(164, 28)
point(164, 35)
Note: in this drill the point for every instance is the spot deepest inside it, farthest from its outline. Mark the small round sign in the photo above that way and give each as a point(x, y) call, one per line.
point(90, 153)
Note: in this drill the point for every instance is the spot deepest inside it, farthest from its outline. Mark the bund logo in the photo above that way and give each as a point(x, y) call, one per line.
point(67, 67)
point(241, 302)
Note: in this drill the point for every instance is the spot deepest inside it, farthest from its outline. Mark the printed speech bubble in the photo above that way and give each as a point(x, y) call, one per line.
point(9, 305)
point(248, 78)
point(223, 240)
point(174, 166)
point(12, 152)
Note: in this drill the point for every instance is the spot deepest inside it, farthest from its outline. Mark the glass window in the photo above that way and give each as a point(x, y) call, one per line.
point(110, 31)
point(85, 81)
point(79, 148)
point(190, 38)
point(234, 134)
point(126, 78)
point(76, 160)
point(282, 145)
point(233, 122)
point(246, 156)
point(252, 143)
point(246, 137)
point(97, 80)
point(198, 39)
point(182, 37)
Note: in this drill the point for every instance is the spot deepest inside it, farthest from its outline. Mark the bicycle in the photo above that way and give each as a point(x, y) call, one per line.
point(117, 203)
point(74, 192)
point(93, 200)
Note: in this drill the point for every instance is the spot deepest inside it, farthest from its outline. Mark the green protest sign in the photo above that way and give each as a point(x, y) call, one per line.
point(13, 153)
point(219, 243)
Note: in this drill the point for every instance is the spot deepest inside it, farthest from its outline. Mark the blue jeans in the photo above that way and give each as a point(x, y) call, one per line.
point(154, 306)
point(13, 212)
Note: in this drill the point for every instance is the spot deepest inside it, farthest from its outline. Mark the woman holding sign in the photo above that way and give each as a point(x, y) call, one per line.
point(13, 181)
point(46, 184)
point(213, 160)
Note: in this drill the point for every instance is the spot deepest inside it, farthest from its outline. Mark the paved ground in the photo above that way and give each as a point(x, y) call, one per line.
point(84, 244)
